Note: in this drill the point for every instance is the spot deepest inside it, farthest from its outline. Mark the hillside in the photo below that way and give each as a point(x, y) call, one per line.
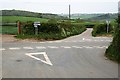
point(94, 17)
point(13, 19)
point(104, 17)
point(30, 14)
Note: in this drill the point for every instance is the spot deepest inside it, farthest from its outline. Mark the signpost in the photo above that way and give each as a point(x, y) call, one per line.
point(108, 23)
point(36, 24)
point(19, 29)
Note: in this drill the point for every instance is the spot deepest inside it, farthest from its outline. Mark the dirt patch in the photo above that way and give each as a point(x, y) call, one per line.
point(7, 38)
point(105, 35)
point(11, 38)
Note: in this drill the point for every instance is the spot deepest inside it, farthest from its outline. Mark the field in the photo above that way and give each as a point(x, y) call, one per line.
point(8, 30)
point(13, 19)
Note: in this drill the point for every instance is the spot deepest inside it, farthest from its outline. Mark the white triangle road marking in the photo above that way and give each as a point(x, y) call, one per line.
point(45, 56)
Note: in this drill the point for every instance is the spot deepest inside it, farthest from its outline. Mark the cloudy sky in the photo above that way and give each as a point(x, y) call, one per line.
point(61, 6)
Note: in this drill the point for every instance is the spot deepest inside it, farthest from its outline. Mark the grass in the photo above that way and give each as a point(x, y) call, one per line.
point(13, 19)
point(8, 30)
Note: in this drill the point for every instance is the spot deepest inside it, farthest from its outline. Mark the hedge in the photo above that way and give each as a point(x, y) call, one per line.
point(113, 51)
point(52, 30)
point(101, 29)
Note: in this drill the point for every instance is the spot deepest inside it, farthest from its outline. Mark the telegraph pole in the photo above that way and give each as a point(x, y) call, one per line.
point(69, 12)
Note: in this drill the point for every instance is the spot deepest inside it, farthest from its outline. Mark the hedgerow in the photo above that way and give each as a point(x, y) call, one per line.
point(51, 30)
point(113, 51)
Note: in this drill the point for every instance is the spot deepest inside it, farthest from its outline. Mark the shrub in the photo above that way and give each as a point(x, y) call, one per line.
point(113, 51)
point(101, 29)
point(52, 30)
point(27, 28)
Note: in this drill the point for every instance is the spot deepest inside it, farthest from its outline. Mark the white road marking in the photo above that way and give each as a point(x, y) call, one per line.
point(100, 47)
point(58, 41)
point(77, 47)
point(53, 47)
point(2, 49)
point(105, 46)
point(67, 41)
point(109, 40)
point(42, 42)
point(66, 47)
point(101, 40)
point(88, 47)
point(14, 48)
point(74, 41)
point(50, 42)
point(80, 41)
point(45, 56)
point(95, 40)
point(40, 47)
point(27, 48)
point(83, 38)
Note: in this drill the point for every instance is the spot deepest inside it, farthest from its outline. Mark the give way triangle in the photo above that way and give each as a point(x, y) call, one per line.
point(46, 61)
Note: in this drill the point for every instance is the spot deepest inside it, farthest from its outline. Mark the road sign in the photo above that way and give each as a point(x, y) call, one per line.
point(36, 24)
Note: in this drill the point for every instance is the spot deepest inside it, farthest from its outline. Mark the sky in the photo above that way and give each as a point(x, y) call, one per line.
point(61, 6)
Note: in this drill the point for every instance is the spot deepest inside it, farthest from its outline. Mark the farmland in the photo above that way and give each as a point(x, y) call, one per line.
point(9, 19)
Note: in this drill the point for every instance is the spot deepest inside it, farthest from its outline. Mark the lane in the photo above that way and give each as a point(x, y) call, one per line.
point(73, 57)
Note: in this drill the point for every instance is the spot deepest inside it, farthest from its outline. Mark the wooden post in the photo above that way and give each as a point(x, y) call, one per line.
point(19, 29)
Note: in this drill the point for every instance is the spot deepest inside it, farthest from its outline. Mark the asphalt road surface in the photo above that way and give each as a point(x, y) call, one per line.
point(80, 56)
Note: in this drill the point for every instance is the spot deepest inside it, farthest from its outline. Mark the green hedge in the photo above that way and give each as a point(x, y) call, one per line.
point(51, 30)
point(101, 29)
point(113, 51)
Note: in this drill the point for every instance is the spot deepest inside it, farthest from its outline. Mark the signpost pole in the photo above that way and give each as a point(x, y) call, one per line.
point(108, 23)
point(19, 29)
point(36, 24)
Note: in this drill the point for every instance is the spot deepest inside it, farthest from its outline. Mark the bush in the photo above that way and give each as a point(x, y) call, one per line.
point(113, 51)
point(27, 28)
point(52, 30)
point(101, 29)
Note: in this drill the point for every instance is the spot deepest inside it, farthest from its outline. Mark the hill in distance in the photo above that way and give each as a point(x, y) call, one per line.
point(94, 17)
point(30, 14)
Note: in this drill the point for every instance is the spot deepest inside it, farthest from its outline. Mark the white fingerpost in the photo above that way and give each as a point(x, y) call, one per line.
point(108, 23)
point(36, 24)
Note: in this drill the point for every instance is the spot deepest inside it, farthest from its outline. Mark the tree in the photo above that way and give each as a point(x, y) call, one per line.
point(113, 51)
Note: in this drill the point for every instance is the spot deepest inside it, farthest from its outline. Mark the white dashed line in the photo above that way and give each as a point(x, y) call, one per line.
point(88, 47)
point(50, 42)
point(53, 47)
point(15, 48)
point(66, 47)
point(42, 42)
point(77, 47)
point(27, 48)
point(105, 46)
point(58, 41)
point(40, 47)
point(2, 49)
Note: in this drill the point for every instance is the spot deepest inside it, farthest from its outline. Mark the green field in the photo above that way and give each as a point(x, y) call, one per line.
point(8, 30)
point(12, 19)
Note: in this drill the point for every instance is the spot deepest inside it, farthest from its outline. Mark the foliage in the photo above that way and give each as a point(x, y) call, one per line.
point(113, 51)
point(101, 29)
point(27, 28)
point(51, 30)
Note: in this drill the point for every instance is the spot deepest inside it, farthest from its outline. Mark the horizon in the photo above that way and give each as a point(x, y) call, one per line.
point(61, 7)
point(62, 13)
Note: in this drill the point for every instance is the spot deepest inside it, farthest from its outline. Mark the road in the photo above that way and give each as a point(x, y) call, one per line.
point(80, 56)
